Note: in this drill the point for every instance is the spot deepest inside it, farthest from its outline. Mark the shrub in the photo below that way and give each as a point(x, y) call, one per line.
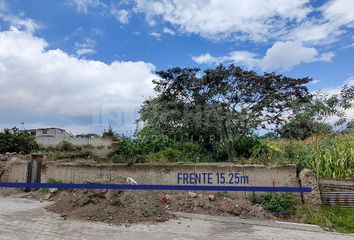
point(302, 128)
point(263, 147)
point(15, 140)
point(219, 151)
point(166, 155)
point(245, 146)
point(189, 152)
point(148, 141)
point(275, 202)
point(66, 146)
point(126, 150)
point(254, 198)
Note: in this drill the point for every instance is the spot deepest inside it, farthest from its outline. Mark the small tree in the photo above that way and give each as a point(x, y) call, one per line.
point(302, 127)
point(15, 140)
point(109, 133)
point(311, 118)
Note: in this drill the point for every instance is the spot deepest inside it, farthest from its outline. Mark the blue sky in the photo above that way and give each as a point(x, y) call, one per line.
point(85, 64)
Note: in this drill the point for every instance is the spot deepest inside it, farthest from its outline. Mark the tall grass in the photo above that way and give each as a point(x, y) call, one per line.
point(330, 156)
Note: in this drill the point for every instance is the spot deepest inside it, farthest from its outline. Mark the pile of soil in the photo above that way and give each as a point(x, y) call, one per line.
point(126, 207)
point(2, 167)
point(111, 206)
point(217, 205)
point(122, 207)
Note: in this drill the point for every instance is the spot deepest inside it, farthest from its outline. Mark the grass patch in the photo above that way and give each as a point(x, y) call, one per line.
point(335, 218)
point(46, 190)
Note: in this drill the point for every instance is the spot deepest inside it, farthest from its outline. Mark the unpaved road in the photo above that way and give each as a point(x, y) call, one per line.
point(26, 219)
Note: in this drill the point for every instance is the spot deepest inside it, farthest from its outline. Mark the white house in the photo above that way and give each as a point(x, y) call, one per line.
point(53, 136)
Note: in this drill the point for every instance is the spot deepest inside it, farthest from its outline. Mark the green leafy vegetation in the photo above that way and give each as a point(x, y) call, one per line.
point(152, 147)
point(328, 217)
point(67, 150)
point(215, 116)
point(46, 190)
point(330, 156)
point(224, 104)
point(278, 202)
point(15, 140)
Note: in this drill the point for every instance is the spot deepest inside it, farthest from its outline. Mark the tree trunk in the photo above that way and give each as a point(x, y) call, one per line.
point(230, 150)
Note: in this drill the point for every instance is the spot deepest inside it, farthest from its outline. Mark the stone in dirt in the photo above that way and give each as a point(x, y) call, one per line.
point(166, 199)
point(53, 190)
point(192, 194)
point(211, 197)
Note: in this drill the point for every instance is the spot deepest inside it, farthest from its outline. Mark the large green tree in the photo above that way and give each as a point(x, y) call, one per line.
point(224, 103)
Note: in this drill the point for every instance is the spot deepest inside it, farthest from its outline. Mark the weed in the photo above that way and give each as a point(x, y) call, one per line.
point(223, 194)
point(275, 202)
point(331, 217)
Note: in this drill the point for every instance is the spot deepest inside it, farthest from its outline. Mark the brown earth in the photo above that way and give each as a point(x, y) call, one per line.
point(121, 207)
point(111, 206)
point(125, 207)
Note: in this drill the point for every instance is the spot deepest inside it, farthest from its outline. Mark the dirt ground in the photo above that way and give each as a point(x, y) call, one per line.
point(126, 207)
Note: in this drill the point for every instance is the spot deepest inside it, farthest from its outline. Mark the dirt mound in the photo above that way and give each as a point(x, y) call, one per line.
point(122, 207)
point(111, 206)
point(217, 204)
point(3, 163)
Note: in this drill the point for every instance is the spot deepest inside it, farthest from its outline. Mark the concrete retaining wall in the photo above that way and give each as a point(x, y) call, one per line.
point(258, 175)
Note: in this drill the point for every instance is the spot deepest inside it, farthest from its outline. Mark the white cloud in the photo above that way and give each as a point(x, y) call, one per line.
point(44, 85)
point(206, 59)
point(169, 31)
point(285, 55)
point(339, 11)
point(21, 23)
point(335, 18)
point(278, 23)
point(85, 48)
point(83, 6)
point(156, 35)
point(244, 58)
point(122, 15)
point(255, 20)
point(281, 56)
point(85, 51)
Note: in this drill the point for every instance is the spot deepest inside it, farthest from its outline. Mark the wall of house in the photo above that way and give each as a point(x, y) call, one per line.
point(47, 141)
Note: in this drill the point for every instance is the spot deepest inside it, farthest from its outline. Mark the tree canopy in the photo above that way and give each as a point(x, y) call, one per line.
point(15, 140)
point(224, 103)
point(311, 117)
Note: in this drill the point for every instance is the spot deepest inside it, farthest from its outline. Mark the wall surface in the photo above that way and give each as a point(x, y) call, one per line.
point(258, 175)
point(168, 174)
point(47, 141)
